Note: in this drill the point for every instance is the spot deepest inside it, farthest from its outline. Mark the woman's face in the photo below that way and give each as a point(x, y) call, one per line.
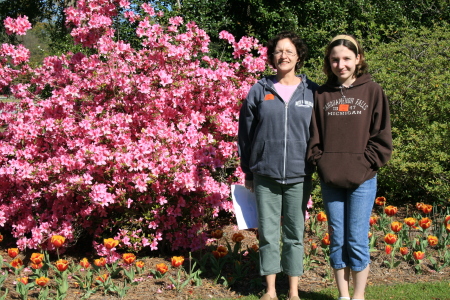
point(285, 56)
point(343, 62)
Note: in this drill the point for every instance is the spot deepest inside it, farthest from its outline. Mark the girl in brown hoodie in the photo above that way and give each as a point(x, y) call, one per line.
point(350, 140)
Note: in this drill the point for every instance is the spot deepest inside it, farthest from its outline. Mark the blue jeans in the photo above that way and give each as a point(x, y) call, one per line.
point(348, 212)
point(275, 200)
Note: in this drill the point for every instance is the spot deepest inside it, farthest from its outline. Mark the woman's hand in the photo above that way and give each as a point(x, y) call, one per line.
point(249, 185)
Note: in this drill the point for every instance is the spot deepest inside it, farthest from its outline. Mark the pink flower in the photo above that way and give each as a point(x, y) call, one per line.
point(148, 9)
point(165, 78)
point(124, 3)
point(310, 203)
point(225, 35)
point(307, 215)
point(19, 26)
point(176, 21)
point(121, 130)
point(100, 195)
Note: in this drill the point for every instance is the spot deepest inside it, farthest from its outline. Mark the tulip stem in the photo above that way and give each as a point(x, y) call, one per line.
point(57, 252)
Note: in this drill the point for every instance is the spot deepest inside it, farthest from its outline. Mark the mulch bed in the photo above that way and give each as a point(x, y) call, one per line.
point(317, 277)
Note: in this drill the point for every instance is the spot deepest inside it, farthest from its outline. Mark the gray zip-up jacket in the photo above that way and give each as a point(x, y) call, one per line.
point(273, 134)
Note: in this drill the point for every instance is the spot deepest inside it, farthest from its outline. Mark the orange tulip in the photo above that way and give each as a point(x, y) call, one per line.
point(1, 238)
point(432, 240)
point(369, 235)
point(410, 221)
point(162, 268)
point(255, 247)
point(37, 258)
point(404, 250)
point(42, 281)
point(419, 205)
point(13, 252)
point(140, 264)
point(388, 249)
point(129, 258)
point(446, 221)
point(102, 278)
point(380, 201)
point(37, 266)
point(425, 223)
point(62, 265)
point(373, 220)
point(217, 234)
point(23, 280)
point(326, 240)
point(390, 210)
point(426, 208)
point(220, 252)
point(110, 243)
point(322, 217)
point(16, 263)
point(177, 261)
point(419, 255)
point(390, 238)
point(58, 240)
point(85, 263)
point(237, 237)
point(447, 227)
point(396, 226)
point(100, 262)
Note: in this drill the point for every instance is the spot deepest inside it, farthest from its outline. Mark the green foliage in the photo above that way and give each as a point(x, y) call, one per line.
point(414, 71)
point(316, 21)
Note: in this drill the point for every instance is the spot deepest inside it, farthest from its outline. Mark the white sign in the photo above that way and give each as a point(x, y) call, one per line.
point(244, 203)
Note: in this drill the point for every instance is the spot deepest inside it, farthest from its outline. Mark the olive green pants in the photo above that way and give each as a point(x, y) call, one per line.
point(281, 213)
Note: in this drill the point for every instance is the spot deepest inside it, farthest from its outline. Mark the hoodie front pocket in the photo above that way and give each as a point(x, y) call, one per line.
point(347, 170)
point(267, 159)
point(295, 159)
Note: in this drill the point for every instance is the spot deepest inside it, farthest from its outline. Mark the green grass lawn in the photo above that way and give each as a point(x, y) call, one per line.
point(2, 99)
point(407, 291)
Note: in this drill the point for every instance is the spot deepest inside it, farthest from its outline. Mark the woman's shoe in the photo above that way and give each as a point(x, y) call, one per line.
point(294, 298)
point(267, 297)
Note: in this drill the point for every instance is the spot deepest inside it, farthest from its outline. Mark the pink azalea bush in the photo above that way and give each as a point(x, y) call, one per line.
point(139, 141)
point(18, 26)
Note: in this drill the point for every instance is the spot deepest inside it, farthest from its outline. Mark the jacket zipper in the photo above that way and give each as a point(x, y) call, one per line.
point(286, 105)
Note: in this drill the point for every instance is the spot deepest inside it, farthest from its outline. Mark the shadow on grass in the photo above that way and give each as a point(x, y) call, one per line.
point(317, 296)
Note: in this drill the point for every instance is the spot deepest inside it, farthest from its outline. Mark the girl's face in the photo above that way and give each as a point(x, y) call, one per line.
point(285, 56)
point(343, 63)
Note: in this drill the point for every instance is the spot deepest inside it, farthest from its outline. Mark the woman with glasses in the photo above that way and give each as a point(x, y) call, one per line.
point(273, 135)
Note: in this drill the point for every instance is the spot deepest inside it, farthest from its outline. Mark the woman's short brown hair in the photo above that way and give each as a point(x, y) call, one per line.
point(300, 46)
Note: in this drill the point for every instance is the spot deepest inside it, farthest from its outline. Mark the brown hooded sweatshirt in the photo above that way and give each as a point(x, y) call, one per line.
point(350, 132)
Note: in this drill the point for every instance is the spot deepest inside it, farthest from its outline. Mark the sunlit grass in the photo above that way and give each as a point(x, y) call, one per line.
point(8, 99)
point(406, 291)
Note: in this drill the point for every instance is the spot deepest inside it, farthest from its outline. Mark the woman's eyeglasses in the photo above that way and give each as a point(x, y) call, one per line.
point(288, 53)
